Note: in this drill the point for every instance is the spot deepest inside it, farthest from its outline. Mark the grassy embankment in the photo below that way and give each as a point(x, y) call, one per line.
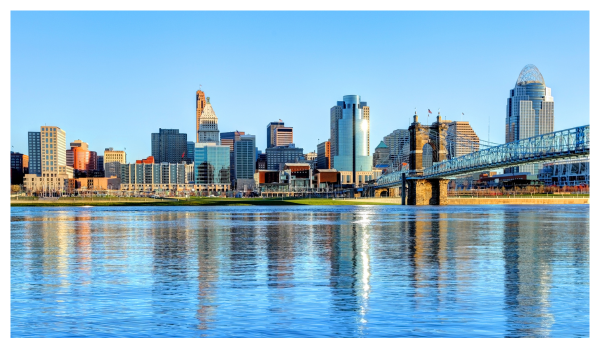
point(194, 201)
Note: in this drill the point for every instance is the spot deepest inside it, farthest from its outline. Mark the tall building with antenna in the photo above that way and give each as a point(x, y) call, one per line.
point(529, 111)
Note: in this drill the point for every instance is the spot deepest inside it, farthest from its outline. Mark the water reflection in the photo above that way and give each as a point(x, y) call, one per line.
point(344, 271)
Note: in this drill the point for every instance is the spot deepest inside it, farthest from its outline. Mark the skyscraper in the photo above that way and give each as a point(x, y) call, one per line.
point(335, 115)
point(34, 146)
point(279, 135)
point(352, 146)
point(208, 128)
point(277, 157)
point(245, 160)
point(19, 167)
point(381, 156)
point(324, 155)
point(529, 111)
point(189, 154)
point(211, 162)
point(200, 104)
point(168, 145)
point(462, 139)
point(396, 141)
point(229, 139)
point(271, 133)
point(53, 145)
point(284, 136)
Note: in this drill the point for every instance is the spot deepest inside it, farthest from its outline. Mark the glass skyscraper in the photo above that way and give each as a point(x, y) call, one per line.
point(169, 145)
point(211, 163)
point(352, 143)
point(245, 157)
point(529, 111)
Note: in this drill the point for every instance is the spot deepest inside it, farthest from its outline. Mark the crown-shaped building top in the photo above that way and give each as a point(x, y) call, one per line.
point(530, 74)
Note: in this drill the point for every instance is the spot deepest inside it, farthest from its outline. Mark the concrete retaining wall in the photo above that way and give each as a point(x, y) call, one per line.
point(467, 201)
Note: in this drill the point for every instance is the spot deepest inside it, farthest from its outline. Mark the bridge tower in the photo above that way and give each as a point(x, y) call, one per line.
point(426, 191)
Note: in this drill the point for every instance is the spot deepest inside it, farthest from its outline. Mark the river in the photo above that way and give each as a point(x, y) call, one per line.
point(286, 271)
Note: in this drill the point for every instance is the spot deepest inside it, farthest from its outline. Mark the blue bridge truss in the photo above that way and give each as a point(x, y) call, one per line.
point(568, 143)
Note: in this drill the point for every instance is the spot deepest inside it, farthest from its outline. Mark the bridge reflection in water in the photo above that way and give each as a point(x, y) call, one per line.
point(509, 271)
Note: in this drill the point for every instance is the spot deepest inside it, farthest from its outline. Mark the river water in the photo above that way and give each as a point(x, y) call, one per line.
point(343, 271)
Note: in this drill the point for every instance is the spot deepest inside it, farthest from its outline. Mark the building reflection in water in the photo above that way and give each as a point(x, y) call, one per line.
point(350, 270)
point(209, 237)
point(510, 270)
point(528, 253)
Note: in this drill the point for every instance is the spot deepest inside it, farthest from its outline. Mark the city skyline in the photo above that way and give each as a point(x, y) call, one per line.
point(164, 94)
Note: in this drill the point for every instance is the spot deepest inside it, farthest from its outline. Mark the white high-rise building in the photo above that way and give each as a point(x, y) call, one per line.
point(54, 146)
point(208, 129)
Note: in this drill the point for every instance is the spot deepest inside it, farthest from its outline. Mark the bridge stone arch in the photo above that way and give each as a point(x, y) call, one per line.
point(426, 191)
point(434, 135)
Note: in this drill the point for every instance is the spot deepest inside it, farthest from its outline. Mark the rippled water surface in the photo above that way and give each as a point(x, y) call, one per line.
point(380, 271)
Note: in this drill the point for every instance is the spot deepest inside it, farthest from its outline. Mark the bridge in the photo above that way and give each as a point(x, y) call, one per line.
point(428, 186)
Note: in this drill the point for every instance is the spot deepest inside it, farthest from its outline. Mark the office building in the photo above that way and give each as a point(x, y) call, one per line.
point(396, 142)
point(35, 152)
point(111, 155)
point(529, 111)
point(271, 137)
point(211, 164)
point(381, 156)
point(461, 139)
point(19, 167)
point(200, 104)
point(352, 145)
point(245, 158)
point(335, 115)
point(324, 155)
point(100, 162)
point(169, 145)
point(311, 156)
point(53, 145)
point(208, 128)
point(229, 138)
point(279, 156)
point(284, 136)
point(80, 158)
point(189, 154)
point(54, 172)
point(261, 162)
point(113, 159)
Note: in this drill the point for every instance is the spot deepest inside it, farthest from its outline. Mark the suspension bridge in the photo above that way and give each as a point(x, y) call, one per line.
point(428, 186)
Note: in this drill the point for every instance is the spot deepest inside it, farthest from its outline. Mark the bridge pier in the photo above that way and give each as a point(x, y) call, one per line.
point(427, 192)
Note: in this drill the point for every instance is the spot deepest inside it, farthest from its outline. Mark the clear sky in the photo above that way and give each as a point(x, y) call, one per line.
point(113, 78)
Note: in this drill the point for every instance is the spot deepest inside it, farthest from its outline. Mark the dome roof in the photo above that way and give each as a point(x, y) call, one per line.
point(381, 145)
point(530, 74)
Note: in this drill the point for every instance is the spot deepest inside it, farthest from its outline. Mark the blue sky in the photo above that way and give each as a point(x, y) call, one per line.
point(113, 78)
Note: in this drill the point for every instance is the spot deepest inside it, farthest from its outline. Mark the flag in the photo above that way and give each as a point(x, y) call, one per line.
point(182, 155)
point(429, 111)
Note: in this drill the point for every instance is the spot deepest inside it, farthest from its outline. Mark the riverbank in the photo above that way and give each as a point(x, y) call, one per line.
point(69, 202)
point(195, 202)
